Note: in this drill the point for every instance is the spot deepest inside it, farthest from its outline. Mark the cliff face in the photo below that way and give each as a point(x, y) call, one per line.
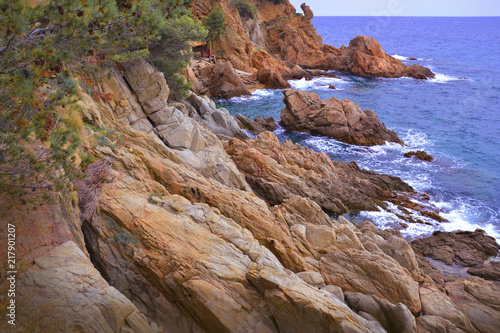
point(181, 243)
point(277, 38)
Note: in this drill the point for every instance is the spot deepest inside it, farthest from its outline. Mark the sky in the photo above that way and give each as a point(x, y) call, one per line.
point(401, 7)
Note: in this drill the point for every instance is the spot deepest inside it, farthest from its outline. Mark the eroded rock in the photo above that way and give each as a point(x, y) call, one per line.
point(342, 120)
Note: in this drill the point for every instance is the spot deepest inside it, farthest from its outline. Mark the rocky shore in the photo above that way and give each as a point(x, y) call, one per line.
point(183, 224)
point(277, 45)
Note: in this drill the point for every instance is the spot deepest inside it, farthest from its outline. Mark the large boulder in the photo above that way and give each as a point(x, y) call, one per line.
point(342, 120)
point(365, 56)
point(270, 71)
point(224, 81)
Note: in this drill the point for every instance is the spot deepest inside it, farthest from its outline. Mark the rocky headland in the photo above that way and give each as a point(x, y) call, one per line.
point(277, 44)
point(185, 225)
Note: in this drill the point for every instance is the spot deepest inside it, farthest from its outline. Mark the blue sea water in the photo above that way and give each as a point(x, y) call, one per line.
point(454, 117)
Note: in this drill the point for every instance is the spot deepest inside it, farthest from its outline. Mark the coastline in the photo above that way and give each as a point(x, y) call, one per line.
point(189, 218)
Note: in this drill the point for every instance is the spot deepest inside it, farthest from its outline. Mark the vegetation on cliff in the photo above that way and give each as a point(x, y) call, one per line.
point(51, 50)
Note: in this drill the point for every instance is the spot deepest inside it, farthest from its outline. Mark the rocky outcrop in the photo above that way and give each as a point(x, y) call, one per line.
point(278, 171)
point(464, 248)
point(364, 56)
point(270, 71)
point(342, 120)
point(178, 126)
point(223, 81)
point(65, 292)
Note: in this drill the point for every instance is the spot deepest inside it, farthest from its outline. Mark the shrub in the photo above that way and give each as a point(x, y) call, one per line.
point(89, 188)
point(246, 9)
point(215, 23)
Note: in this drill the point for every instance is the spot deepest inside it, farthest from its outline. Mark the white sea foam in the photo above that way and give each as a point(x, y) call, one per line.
point(443, 78)
point(256, 95)
point(403, 58)
point(415, 139)
point(460, 218)
point(399, 57)
point(318, 83)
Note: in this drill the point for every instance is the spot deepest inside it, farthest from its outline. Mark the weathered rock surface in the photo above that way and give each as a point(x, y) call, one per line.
point(271, 72)
point(224, 81)
point(70, 294)
point(278, 171)
point(178, 126)
point(342, 120)
point(464, 248)
point(219, 121)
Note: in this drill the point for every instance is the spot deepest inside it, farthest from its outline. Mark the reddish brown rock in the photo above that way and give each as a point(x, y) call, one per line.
point(278, 172)
point(268, 123)
point(420, 154)
point(308, 14)
point(270, 72)
point(224, 81)
point(464, 248)
point(365, 56)
point(342, 120)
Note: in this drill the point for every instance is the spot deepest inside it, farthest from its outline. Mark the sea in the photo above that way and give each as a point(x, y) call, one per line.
point(455, 117)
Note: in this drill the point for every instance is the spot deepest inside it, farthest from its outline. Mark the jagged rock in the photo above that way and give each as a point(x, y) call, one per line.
point(270, 71)
point(294, 307)
point(465, 248)
point(394, 246)
point(278, 171)
point(364, 56)
point(420, 154)
point(149, 85)
point(371, 273)
point(308, 14)
point(224, 81)
point(299, 73)
point(479, 300)
point(220, 122)
point(342, 120)
point(268, 123)
point(248, 124)
point(394, 318)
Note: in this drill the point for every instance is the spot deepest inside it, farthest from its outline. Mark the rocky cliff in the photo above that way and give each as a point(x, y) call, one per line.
point(267, 46)
point(195, 233)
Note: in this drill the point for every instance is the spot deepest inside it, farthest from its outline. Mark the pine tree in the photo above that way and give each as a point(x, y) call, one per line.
point(46, 52)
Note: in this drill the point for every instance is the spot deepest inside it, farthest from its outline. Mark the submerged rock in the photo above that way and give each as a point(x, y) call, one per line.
point(342, 120)
point(420, 154)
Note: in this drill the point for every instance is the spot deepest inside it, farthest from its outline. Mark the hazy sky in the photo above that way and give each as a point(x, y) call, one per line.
point(401, 7)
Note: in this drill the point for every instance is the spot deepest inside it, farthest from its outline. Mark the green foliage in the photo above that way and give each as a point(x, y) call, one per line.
point(170, 54)
point(215, 23)
point(245, 8)
point(46, 51)
point(122, 236)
